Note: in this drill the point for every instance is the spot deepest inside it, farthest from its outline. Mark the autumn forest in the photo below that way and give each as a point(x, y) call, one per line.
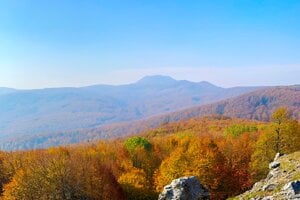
point(149, 100)
point(227, 155)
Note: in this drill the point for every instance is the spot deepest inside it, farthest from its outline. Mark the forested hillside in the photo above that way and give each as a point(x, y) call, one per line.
point(29, 112)
point(149, 100)
point(227, 155)
point(256, 105)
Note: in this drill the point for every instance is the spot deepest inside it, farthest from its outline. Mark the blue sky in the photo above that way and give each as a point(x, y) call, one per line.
point(73, 42)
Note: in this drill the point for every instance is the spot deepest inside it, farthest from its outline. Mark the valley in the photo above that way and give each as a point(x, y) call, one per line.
point(255, 105)
point(68, 111)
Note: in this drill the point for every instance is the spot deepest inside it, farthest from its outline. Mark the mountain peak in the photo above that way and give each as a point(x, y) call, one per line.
point(156, 80)
point(207, 84)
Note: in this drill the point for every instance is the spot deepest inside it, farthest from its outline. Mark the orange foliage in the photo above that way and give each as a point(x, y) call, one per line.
point(107, 170)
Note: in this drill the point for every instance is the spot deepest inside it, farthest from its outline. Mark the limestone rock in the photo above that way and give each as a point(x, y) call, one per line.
point(268, 198)
point(274, 165)
point(185, 188)
point(292, 189)
point(277, 156)
point(282, 182)
point(269, 187)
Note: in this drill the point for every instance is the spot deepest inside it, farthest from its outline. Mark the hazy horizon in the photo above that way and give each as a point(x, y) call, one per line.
point(79, 43)
point(138, 79)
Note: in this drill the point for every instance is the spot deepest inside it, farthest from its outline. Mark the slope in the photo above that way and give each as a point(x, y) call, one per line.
point(28, 112)
point(254, 105)
point(282, 182)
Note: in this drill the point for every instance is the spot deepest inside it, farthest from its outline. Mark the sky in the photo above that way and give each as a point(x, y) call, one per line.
point(57, 43)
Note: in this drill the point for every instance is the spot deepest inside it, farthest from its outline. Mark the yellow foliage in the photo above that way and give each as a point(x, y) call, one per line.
point(135, 178)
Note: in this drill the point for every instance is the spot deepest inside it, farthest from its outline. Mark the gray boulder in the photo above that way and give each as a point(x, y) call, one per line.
point(277, 156)
point(282, 182)
point(185, 188)
point(274, 165)
point(269, 187)
point(292, 189)
point(268, 198)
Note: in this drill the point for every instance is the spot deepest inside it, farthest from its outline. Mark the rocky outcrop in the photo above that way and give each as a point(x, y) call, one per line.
point(282, 182)
point(185, 188)
point(292, 189)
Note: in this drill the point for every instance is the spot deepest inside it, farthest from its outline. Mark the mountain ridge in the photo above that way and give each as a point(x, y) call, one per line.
point(255, 102)
point(29, 112)
point(152, 79)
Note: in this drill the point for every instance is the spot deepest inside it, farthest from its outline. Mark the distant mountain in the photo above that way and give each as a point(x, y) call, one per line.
point(29, 112)
point(257, 105)
point(157, 80)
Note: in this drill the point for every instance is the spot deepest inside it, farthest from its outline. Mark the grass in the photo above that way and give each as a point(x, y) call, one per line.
point(289, 171)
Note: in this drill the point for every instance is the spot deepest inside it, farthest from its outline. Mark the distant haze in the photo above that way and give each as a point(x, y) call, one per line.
point(27, 112)
point(225, 77)
point(76, 43)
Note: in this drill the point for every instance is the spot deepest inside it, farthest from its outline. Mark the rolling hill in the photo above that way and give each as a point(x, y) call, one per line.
point(257, 105)
point(29, 112)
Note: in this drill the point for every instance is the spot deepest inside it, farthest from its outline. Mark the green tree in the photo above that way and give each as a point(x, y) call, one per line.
point(283, 136)
point(134, 142)
point(279, 118)
point(286, 130)
point(238, 129)
point(138, 149)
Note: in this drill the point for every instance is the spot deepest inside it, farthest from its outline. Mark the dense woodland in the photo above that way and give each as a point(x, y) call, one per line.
point(257, 105)
point(227, 155)
point(57, 110)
